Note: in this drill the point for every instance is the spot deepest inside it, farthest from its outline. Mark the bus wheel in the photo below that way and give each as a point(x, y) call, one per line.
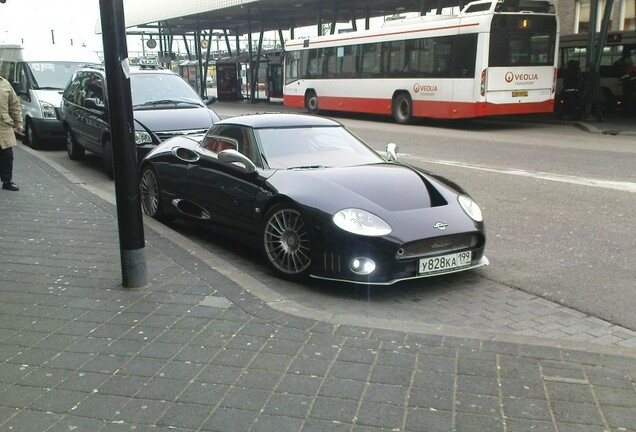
point(402, 108)
point(311, 102)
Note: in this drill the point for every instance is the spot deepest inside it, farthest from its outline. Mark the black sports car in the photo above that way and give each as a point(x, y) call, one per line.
point(316, 199)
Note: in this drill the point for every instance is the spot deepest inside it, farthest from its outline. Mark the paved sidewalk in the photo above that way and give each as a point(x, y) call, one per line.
point(194, 351)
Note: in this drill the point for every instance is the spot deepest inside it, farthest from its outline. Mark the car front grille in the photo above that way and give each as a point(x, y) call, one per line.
point(437, 246)
point(164, 135)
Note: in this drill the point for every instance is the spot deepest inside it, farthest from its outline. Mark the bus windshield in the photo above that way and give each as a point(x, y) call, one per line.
point(522, 40)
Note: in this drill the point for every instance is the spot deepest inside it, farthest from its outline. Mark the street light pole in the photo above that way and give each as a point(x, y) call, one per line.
point(129, 217)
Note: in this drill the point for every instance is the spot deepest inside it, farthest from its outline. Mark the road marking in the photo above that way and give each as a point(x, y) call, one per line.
point(581, 181)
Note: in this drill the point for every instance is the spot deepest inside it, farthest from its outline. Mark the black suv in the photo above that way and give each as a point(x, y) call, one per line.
point(164, 105)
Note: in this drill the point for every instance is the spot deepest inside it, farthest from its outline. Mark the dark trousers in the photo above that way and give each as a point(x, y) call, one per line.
point(6, 164)
point(570, 98)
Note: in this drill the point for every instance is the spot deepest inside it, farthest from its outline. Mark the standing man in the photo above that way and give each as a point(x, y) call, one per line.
point(10, 117)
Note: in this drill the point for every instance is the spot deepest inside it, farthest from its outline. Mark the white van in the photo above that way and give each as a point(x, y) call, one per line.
point(39, 76)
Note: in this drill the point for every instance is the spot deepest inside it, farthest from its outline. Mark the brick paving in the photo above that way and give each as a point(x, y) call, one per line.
point(195, 351)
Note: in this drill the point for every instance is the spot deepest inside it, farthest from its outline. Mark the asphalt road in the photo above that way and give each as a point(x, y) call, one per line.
point(558, 203)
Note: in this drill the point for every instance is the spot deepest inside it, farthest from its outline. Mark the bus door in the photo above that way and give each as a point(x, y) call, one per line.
point(462, 72)
point(275, 80)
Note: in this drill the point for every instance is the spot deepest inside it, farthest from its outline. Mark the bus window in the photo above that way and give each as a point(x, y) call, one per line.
point(464, 54)
point(292, 71)
point(397, 58)
point(345, 57)
point(522, 41)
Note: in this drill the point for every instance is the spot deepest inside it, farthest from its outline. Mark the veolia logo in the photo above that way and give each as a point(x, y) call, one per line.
point(416, 88)
point(510, 77)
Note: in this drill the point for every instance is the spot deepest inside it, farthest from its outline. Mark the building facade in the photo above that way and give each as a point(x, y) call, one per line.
point(575, 15)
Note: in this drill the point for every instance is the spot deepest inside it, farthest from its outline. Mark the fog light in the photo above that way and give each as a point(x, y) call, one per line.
point(362, 266)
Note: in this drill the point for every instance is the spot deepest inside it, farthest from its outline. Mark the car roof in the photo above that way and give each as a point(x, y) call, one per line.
point(278, 120)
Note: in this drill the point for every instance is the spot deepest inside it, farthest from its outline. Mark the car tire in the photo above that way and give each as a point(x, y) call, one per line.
point(403, 108)
point(150, 194)
point(74, 150)
point(311, 102)
point(286, 245)
point(107, 157)
point(31, 137)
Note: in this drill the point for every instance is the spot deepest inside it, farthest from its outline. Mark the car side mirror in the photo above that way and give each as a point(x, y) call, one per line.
point(91, 103)
point(238, 159)
point(391, 152)
point(210, 100)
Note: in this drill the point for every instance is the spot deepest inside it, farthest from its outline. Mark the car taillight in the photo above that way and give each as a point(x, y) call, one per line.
point(554, 80)
point(482, 86)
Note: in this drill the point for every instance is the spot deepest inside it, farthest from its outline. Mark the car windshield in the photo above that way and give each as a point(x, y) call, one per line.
point(154, 89)
point(313, 147)
point(52, 75)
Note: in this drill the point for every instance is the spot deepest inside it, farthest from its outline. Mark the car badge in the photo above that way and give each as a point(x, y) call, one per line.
point(440, 226)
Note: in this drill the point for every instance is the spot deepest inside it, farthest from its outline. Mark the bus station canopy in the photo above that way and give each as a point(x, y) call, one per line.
point(239, 17)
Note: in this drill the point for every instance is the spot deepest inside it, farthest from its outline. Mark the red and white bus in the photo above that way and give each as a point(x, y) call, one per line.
point(494, 57)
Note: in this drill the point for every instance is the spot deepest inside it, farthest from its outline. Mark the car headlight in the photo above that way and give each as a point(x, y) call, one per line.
point(142, 138)
point(361, 222)
point(470, 207)
point(48, 110)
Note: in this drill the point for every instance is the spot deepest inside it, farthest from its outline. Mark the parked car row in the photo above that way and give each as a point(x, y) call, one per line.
point(63, 94)
point(316, 200)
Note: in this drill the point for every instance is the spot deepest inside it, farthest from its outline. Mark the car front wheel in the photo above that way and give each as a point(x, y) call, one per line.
point(286, 242)
point(31, 136)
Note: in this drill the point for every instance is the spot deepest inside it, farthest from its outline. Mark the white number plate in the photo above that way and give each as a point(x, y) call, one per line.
point(444, 263)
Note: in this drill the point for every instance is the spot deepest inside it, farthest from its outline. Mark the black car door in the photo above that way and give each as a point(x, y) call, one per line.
point(225, 189)
point(95, 117)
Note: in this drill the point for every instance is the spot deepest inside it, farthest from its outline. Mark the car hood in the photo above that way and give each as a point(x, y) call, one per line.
point(391, 187)
point(175, 119)
point(411, 201)
point(54, 97)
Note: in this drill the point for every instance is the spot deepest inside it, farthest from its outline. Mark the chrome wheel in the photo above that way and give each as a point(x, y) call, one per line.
point(149, 193)
point(286, 242)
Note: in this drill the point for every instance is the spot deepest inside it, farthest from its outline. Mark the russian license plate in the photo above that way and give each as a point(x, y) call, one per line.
point(444, 263)
point(519, 93)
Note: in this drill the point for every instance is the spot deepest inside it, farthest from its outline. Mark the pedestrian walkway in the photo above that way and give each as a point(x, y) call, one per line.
point(194, 351)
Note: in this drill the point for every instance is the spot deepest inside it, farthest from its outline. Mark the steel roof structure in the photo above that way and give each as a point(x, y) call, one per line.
point(240, 17)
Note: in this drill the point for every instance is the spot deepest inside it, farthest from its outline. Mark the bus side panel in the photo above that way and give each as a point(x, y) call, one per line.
point(296, 101)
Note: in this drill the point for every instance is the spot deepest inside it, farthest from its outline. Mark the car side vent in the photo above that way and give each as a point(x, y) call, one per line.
point(331, 262)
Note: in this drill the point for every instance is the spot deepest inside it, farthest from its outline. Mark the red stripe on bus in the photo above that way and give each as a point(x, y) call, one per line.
point(429, 109)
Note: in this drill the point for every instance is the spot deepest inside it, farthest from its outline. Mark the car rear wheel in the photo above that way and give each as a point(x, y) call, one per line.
point(150, 194)
point(74, 150)
point(286, 242)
